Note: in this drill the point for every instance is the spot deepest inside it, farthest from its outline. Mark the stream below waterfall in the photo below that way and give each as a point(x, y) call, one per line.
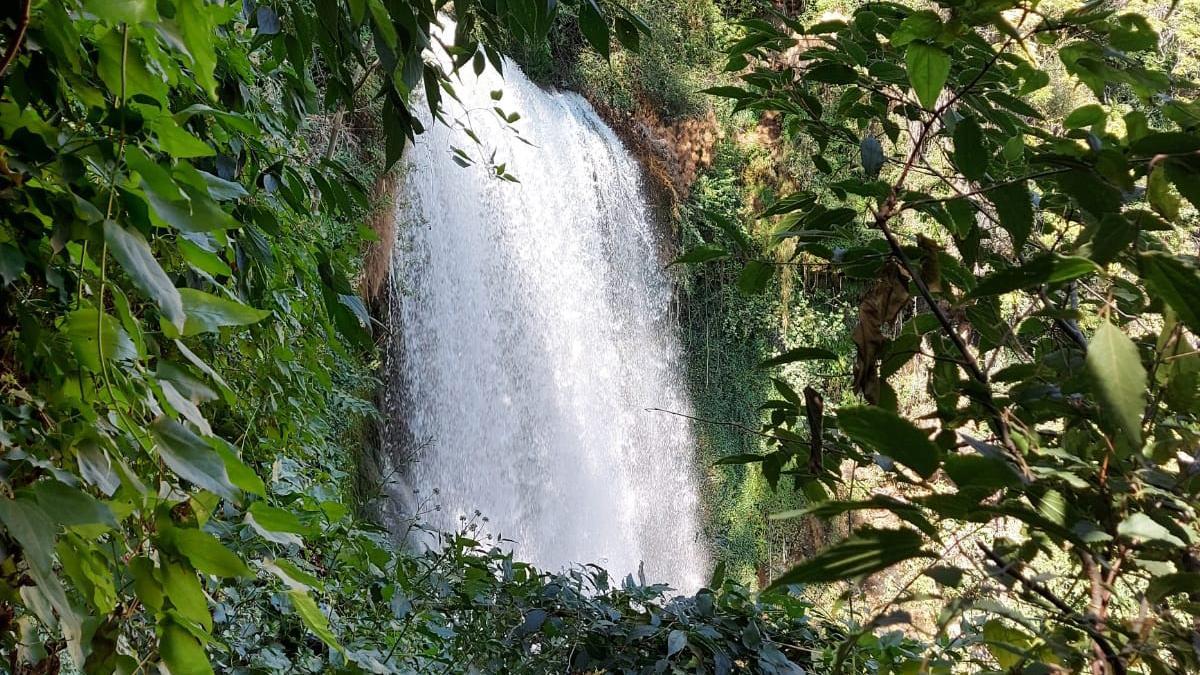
point(532, 331)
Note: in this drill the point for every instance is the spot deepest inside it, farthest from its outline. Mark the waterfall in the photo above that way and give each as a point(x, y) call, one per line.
point(533, 331)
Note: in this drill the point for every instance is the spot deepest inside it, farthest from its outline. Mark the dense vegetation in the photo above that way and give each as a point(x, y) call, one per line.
point(1001, 193)
point(1050, 484)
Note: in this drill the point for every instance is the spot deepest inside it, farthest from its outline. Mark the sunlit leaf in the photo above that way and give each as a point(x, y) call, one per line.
point(1119, 379)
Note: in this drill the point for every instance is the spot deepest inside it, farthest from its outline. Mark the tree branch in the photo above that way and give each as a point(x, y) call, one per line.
point(1110, 655)
point(14, 46)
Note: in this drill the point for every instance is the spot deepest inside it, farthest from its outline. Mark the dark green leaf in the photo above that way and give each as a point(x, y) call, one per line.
point(969, 153)
point(754, 277)
point(206, 313)
point(868, 550)
point(1141, 527)
point(132, 251)
point(1015, 210)
point(702, 253)
point(887, 433)
point(1177, 283)
point(594, 26)
point(1045, 269)
point(1085, 116)
point(191, 458)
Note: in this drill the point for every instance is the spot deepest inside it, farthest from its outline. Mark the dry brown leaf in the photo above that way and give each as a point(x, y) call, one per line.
point(879, 307)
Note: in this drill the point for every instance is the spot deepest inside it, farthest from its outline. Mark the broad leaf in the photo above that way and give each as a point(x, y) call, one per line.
point(1046, 269)
point(884, 432)
point(275, 524)
point(928, 68)
point(132, 251)
point(969, 153)
point(1014, 207)
point(206, 313)
point(313, 617)
point(1141, 527)
point(1176, 283)
point(1119, 381)
point(97, 337)
point(207, 554)
point(702, 253)
point(594, 26)
point(181, 651)
point(866, 551)
point(191, 457)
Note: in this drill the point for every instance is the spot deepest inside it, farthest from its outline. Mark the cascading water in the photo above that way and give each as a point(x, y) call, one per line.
point(533, 332)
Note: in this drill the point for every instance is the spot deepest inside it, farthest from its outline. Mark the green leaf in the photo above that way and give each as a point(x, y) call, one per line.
point(181, 651)
point(191, 458)
point(132, 251)
point(1166, 142)
point(799, 354)
point(28, 525)
point(1014, 207)
point(123, 11)
point(1007, 645)
point(177, 141)
point(928, 68)
point(1119, 380)
point(1045, 269)
point(594, 26)
point(12, 264)
point(969, 153)
point(207, 554)
point(275, 524)
point(702, 253)
point(1176, 283)
point(197, 23)
point(923, 25)
point(977, 471)
point(1159, 194)
point(146, 585)
point(1172, 584)
point(97, 337)
point(627, 34)
point(125, 72)
point(239, 474)
point(206, 313)
point(313, 617)
point(384, 27)
point(831, 73)
point(182, 587)
point(676, 641)
point(754, 277)
point(1141, 527)
point(1084, 116)
point(292, 575)
point(886, 433)
point(867, 551)
point(70, 506)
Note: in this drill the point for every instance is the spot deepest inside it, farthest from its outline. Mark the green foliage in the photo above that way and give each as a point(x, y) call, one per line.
point(178, 323)
point(1020, 230)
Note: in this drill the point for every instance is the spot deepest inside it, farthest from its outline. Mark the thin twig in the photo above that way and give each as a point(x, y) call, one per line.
point(1110, 654)
point(14, 45)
